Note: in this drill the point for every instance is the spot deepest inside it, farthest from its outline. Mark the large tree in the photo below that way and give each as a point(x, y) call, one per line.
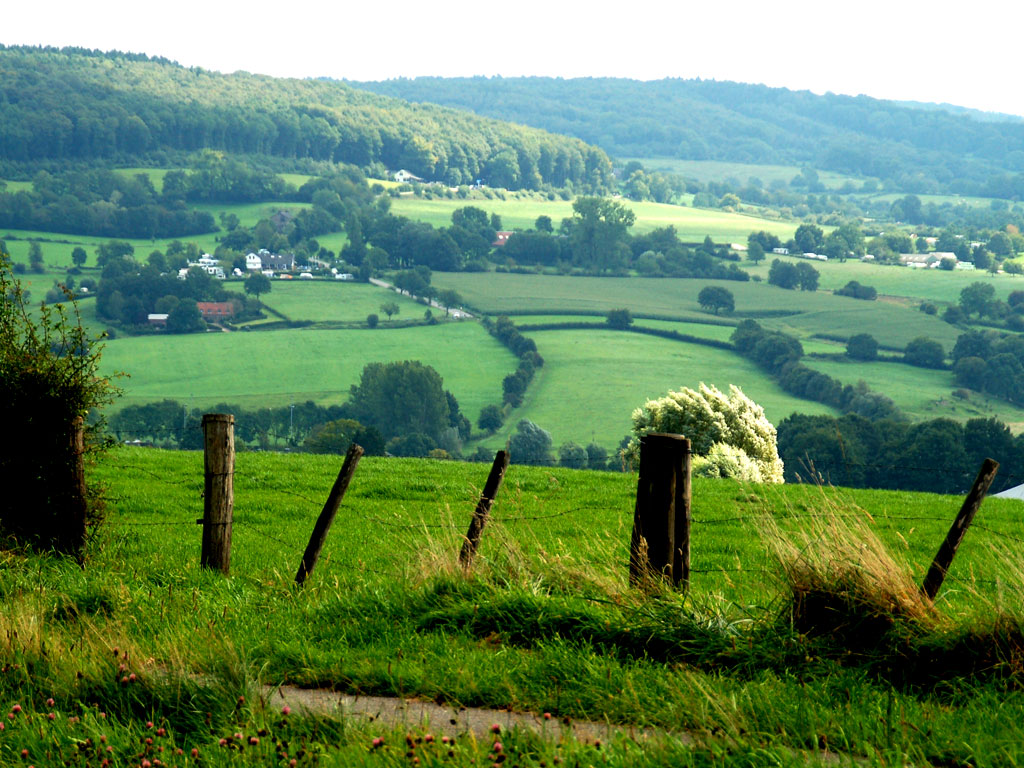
point(716, 299)
point(599, 230)
point(401, 398)
point(257, 283)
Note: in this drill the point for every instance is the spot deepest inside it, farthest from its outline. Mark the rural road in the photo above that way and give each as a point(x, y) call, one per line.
point(458, 313)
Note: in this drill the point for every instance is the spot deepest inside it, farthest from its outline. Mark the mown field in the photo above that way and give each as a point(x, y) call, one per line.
point(592, 381)
point(920, 392)
point(141, 644)
point(286, 366)
point(336, 301)
point(807, 313)
point(692, 224)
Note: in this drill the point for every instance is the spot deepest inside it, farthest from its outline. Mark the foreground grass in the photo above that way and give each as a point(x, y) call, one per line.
point(545, 622)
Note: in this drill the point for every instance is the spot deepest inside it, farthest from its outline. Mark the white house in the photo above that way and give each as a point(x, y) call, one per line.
point(403, 176)
point(253, 263)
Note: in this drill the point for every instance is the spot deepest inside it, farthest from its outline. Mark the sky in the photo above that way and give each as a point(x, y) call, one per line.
point(964, 53)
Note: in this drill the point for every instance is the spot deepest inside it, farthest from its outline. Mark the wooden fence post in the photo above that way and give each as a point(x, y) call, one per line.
point(483, 509)
point(327, 514)
point(218, 489)
point(78, 504)
point(944, 557)
point(660, 543)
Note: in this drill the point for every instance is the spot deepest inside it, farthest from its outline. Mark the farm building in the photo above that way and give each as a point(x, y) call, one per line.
point(216, 310)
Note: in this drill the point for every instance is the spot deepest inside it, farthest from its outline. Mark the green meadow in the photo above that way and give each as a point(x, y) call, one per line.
point(286, 366)
point(692, 224)
point(335, 301)
point(142, 651)
point(799, 312)
point(920, 392)
point(717, 170)
point(592, 380)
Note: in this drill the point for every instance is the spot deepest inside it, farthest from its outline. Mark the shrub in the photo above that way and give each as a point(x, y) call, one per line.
point(49, 387)
point(709, 417)
point(862, 346)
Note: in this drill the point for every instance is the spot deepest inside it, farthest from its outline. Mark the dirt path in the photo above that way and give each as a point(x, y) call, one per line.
point(447, 721)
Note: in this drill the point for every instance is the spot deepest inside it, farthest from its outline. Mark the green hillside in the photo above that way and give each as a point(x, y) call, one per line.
point(79, 106)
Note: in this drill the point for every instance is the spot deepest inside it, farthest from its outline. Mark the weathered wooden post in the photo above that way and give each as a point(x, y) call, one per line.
point(73, 535)
point(218, 489)
point(483, 509)
point(944, 557)
point(327, 514)
point(660, 543)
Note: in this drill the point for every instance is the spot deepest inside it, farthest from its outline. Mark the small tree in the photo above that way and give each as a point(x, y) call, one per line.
point(862, 346)
point(924, 353)
point(35, 257)
point(79, 256)
point(619, 318)
point(390, 308)
point(491, 418)
point(257, 284)
point(448, 298)
point(372, 320)
point(716, 298)
point(530, 444)
point(572, 455)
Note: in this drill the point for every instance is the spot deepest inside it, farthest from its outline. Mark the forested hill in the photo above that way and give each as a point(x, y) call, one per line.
point(920, 150)
point(77, 105)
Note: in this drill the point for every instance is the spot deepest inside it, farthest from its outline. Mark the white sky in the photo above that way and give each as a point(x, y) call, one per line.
point(964, 53)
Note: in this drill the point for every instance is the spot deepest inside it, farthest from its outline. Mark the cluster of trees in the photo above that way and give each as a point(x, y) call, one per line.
point(855, 290)
point(100, 203)
point(75, 104)
point(985, 361)
point(779, 354)
point(129, 291)
point(941, 455)
point(910, 147)
point(596, 240)
point(978, 300)
point(531, 444)
point(786, 274)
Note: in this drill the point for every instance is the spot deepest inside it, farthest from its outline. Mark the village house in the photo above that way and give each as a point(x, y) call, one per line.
point(276, 261)
point(501, 238)
point(212, 311)
point(253, 263)
point(404, 177)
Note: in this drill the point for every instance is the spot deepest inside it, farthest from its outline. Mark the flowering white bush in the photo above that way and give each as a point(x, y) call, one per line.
point(730, 430)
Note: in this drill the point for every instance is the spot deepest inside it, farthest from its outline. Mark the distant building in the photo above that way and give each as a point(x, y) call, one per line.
point(157, 319)
point(216, 310)
point(253, 262)
point(501, 238)
point(781, 251)
point(277, 261)
point(404, 177)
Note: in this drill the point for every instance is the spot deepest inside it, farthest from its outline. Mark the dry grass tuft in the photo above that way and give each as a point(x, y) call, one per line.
point(841, 579)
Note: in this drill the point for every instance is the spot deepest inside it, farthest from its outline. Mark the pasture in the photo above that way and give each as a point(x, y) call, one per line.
point(335, 301)
point(692, 224)
point(921, 393)
point(544, 622)
point(287, 366)
point(799, 312)
point(718, 170)
point(592, 380)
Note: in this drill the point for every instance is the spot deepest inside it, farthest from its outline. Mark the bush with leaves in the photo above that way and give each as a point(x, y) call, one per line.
point(49, 383)
point(711, 419)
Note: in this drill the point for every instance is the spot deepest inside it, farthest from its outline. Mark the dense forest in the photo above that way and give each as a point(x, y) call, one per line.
point(74, 105)
point(915, 149)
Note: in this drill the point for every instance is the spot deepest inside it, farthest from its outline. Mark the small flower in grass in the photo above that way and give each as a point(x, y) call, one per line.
point(445, 739)
point(10, 715)
point(378, 742)
point(131, 678)
point(52, 716)
point(24, 753)
point(146, 764)
point(253, 741)
point(495, 728)
point(103, 714)
point(50, 702)
point(149, 723)
point(195, 753)
point(238, 737)
point(497, 746)
point(547, 715)
point(16, 708)
point(292, 763)
point(161, 732)
point(223, 742)
point(286, 710)
point(429, 738)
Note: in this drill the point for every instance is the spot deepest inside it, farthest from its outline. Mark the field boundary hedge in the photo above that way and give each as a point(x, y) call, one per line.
point(661, 332)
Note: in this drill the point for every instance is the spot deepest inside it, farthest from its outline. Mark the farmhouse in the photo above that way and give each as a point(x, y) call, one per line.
point(253, 262)
point(278, 261)
point(158, 320)
point(502, 238)
point(216, 310)
point(403, 176)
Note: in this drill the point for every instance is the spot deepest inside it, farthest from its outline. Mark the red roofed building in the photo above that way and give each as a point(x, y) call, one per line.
point(216, 310)
point(502, 238)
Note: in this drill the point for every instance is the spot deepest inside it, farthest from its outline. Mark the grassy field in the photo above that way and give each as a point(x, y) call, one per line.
point(921, 393)
point(716, 170)
point(280, 367)
point(545, 622)
point(692, 224)
point(593, 379)
point(335, 301)
point(813, 312)
point(915, 284)
point(250, 213)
